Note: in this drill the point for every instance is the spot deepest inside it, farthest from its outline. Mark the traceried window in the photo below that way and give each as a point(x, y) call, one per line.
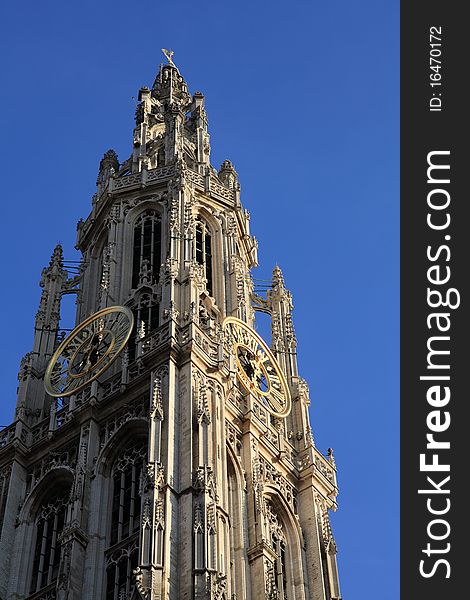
point(279, 545)
point(49, 525)
point(204, 252)
point(146, 258)
point(123, 551)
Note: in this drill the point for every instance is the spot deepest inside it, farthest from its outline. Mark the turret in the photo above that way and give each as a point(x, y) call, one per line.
point(109, 166)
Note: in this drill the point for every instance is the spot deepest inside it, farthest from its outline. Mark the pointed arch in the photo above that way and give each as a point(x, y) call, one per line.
point(117, 490)
point(134, 427)
point(144, 242)
point(146, 247)
point(207, 249)
point(101, 554)
point(60, 476)
point(41, 521)
point(272, 493)
point(287, 542)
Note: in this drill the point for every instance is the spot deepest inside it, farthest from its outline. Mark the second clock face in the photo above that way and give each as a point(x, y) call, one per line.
point(88, 351)
point(257, 368)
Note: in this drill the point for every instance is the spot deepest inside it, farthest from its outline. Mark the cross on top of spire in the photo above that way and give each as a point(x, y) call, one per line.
point(169, 55)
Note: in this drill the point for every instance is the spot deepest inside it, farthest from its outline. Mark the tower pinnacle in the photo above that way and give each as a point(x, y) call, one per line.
point(57, 257)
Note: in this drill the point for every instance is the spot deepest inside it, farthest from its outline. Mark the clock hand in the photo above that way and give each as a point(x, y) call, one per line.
point(257, 371)
point(246, 363)
point(90, 356)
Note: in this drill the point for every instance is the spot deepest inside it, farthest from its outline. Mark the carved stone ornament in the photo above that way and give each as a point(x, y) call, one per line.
point(156, 408)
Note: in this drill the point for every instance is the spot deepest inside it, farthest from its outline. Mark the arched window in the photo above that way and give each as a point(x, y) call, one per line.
point(146, 258)
point(123, 551)
point(204, 252)
point(199, 554)
point(49, 523)
point(279, 545)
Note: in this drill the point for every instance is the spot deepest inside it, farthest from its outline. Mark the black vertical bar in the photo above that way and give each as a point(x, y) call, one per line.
point(435, 248)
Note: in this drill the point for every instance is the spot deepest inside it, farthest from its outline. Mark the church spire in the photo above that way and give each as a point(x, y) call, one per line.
point(170, 123)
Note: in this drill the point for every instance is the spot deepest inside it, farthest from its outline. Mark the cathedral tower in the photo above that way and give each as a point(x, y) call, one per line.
point(168, 476)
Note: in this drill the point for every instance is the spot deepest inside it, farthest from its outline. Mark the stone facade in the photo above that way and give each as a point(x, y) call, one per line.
point(163, 479)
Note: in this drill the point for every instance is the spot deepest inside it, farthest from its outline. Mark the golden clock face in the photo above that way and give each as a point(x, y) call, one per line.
point(257, 369)
point(88, 351)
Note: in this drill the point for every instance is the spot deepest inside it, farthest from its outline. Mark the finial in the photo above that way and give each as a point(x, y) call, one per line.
point(57, 256)
point(331, 457)
point(169, 55)
point(278, 285)
point(277, 275)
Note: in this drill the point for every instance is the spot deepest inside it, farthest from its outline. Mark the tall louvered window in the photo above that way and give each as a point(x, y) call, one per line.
point(204, 252)
point(146, 258)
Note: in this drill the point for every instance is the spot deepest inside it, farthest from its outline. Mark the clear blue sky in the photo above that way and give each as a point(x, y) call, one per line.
point(303, 98)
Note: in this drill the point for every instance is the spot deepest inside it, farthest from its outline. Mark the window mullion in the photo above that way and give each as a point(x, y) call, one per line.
point(52, 550)
point(128, 574)
point(142, 242)
point(116, 582)
point(152, 242)
point(132, 502)
point(42, 558)
point(121, 506)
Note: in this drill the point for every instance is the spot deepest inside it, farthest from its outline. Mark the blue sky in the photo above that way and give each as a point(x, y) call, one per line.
point(303, 97)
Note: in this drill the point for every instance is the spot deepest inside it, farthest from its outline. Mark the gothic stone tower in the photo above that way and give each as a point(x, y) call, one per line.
point(164, 478)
